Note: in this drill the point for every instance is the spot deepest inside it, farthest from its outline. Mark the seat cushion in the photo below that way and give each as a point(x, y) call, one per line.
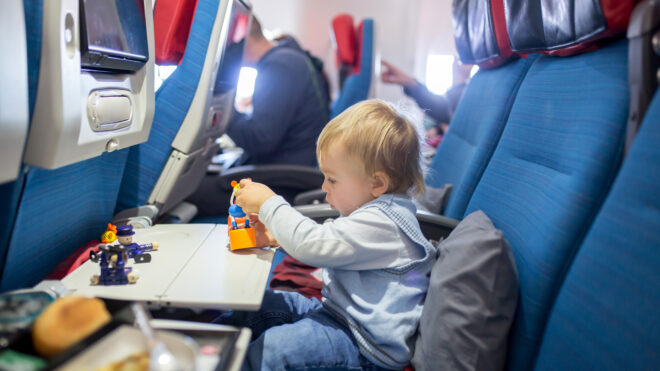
point(434, 199)
point(471, 301)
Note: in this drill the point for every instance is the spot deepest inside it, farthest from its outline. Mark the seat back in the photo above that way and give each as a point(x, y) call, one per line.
point(552, 167)
point(14, 94)
point(15, 109)
point(192, 109)
point(356, 86)
point(344, 42)
point(606, 314)
point(473, 134)
point(58, 210)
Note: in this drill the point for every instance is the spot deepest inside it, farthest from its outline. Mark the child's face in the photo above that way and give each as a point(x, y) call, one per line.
point(346, 185)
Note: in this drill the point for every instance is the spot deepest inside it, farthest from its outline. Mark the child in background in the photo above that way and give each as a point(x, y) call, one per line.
point(375, 257)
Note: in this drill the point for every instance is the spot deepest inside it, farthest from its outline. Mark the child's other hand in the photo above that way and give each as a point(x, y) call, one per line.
point(261, 233)
point(252, 195)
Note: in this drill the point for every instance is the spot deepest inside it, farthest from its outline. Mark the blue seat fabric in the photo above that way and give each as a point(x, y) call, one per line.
point(550, 172)
point(147, 160)
point(606, 315)
point(356, 86)
point(473, 133)
point(59, 211)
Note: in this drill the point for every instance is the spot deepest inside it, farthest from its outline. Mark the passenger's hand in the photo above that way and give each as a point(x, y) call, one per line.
point(252, 195)
point(261, 233)
point(394, 75)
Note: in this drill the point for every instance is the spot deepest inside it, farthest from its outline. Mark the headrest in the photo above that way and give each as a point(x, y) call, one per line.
point(344, 36)
point(488, 33)
point(480, 32)
point(564, 27)
point(359, 40)
point(172, 22)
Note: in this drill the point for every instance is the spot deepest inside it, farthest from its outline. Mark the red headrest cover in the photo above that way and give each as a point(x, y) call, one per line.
point(358, 48)
point(172, 21)
point(344, 35)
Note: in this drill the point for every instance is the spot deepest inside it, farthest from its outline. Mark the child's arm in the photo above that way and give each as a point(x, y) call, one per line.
point(366, 239)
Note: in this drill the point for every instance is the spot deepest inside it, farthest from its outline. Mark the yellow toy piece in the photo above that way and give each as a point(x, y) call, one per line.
point(110, 234)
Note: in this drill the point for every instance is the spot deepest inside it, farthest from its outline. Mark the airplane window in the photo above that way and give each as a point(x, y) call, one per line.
point(245, 88)
point(162, 73)
point(439, 74)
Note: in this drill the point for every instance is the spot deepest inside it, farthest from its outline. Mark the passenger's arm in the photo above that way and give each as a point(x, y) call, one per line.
point(276, 96)
point(360, 241)
point(437, 106)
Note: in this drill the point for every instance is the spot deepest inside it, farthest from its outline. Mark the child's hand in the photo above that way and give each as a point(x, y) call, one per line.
point(261, 233)
point(252, 195)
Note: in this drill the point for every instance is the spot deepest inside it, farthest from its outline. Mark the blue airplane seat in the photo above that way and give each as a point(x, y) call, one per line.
point(57, 211)
point(173, 100)
point(473, 133)
point(606, 314)
point(10, 192)
point(60, 210)
point(550, 172)
point(356, 86)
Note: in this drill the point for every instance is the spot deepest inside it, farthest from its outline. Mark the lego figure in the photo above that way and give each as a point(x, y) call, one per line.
point(136, 251)
point(112, 260)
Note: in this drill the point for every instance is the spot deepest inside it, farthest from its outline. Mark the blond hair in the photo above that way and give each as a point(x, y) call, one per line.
point(374, 132)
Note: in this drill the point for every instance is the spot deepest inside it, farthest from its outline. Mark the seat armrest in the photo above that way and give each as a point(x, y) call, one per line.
point(312, 197)
point(276, 175)
point(319, 213)
point(435, 227)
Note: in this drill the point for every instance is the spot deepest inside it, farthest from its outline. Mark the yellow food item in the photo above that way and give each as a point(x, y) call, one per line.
point(134, 362)
point(65, 322)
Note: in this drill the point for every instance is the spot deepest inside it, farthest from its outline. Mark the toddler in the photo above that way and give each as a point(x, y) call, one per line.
point(376, 260)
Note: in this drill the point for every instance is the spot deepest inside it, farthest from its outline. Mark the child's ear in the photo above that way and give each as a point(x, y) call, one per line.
point(380, 183)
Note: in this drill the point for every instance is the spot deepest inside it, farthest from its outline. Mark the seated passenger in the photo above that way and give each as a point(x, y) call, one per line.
point(289, 106)
point(440, 107)
point(375, 257)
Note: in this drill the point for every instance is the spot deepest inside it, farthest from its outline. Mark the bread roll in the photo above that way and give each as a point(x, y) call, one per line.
point(65, 322)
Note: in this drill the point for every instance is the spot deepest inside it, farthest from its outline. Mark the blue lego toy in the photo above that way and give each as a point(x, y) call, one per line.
point(112, 260)
point(136, 251)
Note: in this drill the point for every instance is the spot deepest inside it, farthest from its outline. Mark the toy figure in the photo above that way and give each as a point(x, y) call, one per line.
point(241, 234)
point(136, 251)
point(112, 261)
point(110, 234)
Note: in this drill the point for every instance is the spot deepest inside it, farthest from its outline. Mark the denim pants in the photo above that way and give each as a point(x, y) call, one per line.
point(291, 332)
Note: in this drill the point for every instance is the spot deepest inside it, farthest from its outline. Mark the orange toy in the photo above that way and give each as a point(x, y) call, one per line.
point(241, 234)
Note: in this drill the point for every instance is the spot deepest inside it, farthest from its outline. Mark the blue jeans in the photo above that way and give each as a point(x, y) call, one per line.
point(291, 332)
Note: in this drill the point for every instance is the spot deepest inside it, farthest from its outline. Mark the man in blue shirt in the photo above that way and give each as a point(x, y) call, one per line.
point(290, 104)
